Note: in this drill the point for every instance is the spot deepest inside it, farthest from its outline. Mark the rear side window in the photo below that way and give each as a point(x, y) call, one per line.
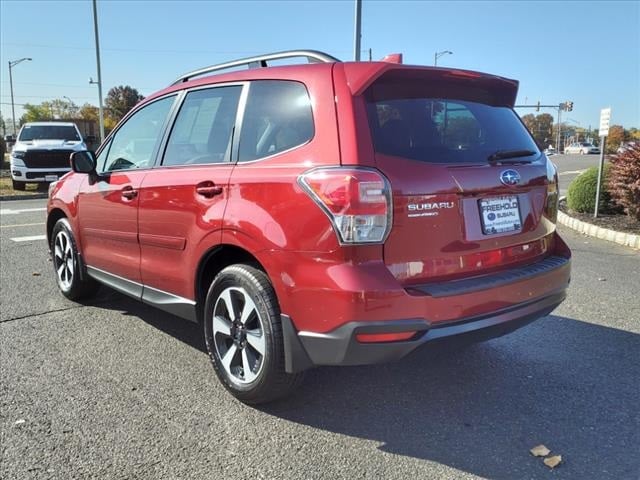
point(278, 117)
point(202, 131)
point(441, 130)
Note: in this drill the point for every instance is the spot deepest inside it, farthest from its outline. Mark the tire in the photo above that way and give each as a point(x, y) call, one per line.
point(235, 339)
point(72, 281)
point(20, 186)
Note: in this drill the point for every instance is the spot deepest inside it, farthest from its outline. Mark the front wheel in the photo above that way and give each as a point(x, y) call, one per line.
point(73, 283)
point(244, 338)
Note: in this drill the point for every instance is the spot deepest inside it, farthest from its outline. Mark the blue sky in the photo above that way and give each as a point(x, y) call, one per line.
point(588, 51)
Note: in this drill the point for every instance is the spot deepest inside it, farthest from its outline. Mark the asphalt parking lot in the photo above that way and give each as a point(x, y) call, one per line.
point(115, 389)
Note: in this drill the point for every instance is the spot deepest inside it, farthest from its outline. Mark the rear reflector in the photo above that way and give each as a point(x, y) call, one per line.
point(384, 337)
point(356, 200)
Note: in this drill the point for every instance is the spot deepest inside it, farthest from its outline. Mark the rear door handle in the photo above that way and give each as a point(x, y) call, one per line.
point(129, 193)
point(208, 189)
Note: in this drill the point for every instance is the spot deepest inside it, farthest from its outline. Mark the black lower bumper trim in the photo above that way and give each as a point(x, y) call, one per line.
point(340, 347)
point(494, 280)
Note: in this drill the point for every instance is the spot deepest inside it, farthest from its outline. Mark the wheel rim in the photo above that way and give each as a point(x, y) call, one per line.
point(64, 260)
point(238, 335)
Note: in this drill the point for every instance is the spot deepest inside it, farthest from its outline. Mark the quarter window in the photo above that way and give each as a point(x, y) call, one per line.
point(203, 130)
point(135, 141)
point(278, 117)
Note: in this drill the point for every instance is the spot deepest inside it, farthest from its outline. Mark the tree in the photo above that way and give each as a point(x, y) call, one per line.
point(615, 138)
point(89, 112)
point(120, 100)
point(541, 128)
point(35, 113)
point(56, 109)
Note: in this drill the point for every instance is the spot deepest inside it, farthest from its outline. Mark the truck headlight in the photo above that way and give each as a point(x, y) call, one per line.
point(18, 154)
point(17, 161)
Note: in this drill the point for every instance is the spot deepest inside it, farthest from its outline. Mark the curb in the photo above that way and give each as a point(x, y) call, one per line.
point(622, 238)
point(35, 196)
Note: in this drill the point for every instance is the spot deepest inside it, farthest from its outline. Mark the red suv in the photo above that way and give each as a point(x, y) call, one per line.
point(326, 213)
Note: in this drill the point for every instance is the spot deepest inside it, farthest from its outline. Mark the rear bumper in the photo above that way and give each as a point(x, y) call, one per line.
point(305, 350)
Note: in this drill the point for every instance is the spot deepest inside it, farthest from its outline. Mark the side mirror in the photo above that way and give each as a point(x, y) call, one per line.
point(9, 138)
point(83, 162)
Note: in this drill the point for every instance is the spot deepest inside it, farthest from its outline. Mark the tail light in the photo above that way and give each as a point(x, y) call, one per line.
point(356, 200)
point(551, 203)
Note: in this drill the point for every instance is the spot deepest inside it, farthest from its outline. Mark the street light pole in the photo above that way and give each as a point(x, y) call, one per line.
point(13, 63)
point(357, 29)
point(99, 82)
point(437, 55)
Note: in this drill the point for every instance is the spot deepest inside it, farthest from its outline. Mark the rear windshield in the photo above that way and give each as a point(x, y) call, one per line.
point(440, 130)
point(48, 132)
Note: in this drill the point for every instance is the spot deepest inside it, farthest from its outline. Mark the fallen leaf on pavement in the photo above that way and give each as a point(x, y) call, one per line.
point(540, 451)
point(36, 274)
point(20, 421)
point(553, 462)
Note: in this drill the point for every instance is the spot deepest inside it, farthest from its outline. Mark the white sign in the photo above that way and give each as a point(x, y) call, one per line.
point(605, 116)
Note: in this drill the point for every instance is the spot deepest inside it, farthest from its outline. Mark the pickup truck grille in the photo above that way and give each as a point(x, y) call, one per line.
point(47, 158)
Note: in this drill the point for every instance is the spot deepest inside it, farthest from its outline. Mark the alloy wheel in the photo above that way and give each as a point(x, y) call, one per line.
point(238, 335)
point(64, 260)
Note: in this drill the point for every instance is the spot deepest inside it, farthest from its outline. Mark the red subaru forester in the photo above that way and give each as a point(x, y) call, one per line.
point(326, 213)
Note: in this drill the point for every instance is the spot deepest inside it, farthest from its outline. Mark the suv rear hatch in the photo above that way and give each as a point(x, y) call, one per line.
point(472, 193)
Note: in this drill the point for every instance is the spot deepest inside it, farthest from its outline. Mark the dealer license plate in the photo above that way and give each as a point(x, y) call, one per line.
point(500, 215)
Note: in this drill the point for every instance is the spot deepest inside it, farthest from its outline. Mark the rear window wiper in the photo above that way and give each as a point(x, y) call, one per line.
point(504, 154)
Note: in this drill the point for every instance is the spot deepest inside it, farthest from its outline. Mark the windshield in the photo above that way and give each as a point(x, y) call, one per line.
point(49, 132)
point(446, 130)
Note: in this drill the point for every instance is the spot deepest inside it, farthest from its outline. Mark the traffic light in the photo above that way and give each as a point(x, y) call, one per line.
point(568, 106)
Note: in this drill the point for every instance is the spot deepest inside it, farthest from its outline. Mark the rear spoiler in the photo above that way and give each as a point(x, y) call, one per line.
point(361, 75)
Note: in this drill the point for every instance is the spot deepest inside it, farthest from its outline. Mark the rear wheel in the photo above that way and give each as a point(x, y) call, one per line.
point(18, 185)
point(73, 283)
point(243, 335)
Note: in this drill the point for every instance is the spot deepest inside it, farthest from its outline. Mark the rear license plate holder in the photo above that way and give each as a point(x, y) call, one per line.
point(500, 214)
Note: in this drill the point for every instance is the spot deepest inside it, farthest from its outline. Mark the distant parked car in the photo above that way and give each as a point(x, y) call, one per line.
point(624, 146)
point(583, 148)
point(550, 151)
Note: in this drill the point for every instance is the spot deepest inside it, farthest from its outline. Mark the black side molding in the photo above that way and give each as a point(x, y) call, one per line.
point(494, 280)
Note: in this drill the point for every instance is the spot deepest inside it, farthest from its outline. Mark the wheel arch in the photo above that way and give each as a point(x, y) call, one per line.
point(52, 218)
point(213, 261)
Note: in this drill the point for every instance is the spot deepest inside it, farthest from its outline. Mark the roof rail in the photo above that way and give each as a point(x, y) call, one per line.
point(313, 56)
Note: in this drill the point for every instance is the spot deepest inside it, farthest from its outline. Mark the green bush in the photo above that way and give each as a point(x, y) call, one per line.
point(581, 196)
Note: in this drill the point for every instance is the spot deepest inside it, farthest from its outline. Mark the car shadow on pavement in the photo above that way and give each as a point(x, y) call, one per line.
point(180, 329)
point(570, 385)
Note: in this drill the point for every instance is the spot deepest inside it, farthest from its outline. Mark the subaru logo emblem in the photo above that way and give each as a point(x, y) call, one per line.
point(510, 177)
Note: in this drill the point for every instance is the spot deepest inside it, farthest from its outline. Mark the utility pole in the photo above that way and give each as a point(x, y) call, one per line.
point(99, 82)
point(559, 128)
point(13, 63)
point(357, 28)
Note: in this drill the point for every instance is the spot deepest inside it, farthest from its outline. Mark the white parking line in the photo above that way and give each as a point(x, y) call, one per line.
point(21, 225)
point(29, 239)
point(9, 211)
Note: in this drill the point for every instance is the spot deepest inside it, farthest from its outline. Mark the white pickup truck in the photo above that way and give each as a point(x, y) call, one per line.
point(41, 152)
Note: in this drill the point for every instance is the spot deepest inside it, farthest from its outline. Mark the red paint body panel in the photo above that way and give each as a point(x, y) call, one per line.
point(174, 220)
point(108, 224)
